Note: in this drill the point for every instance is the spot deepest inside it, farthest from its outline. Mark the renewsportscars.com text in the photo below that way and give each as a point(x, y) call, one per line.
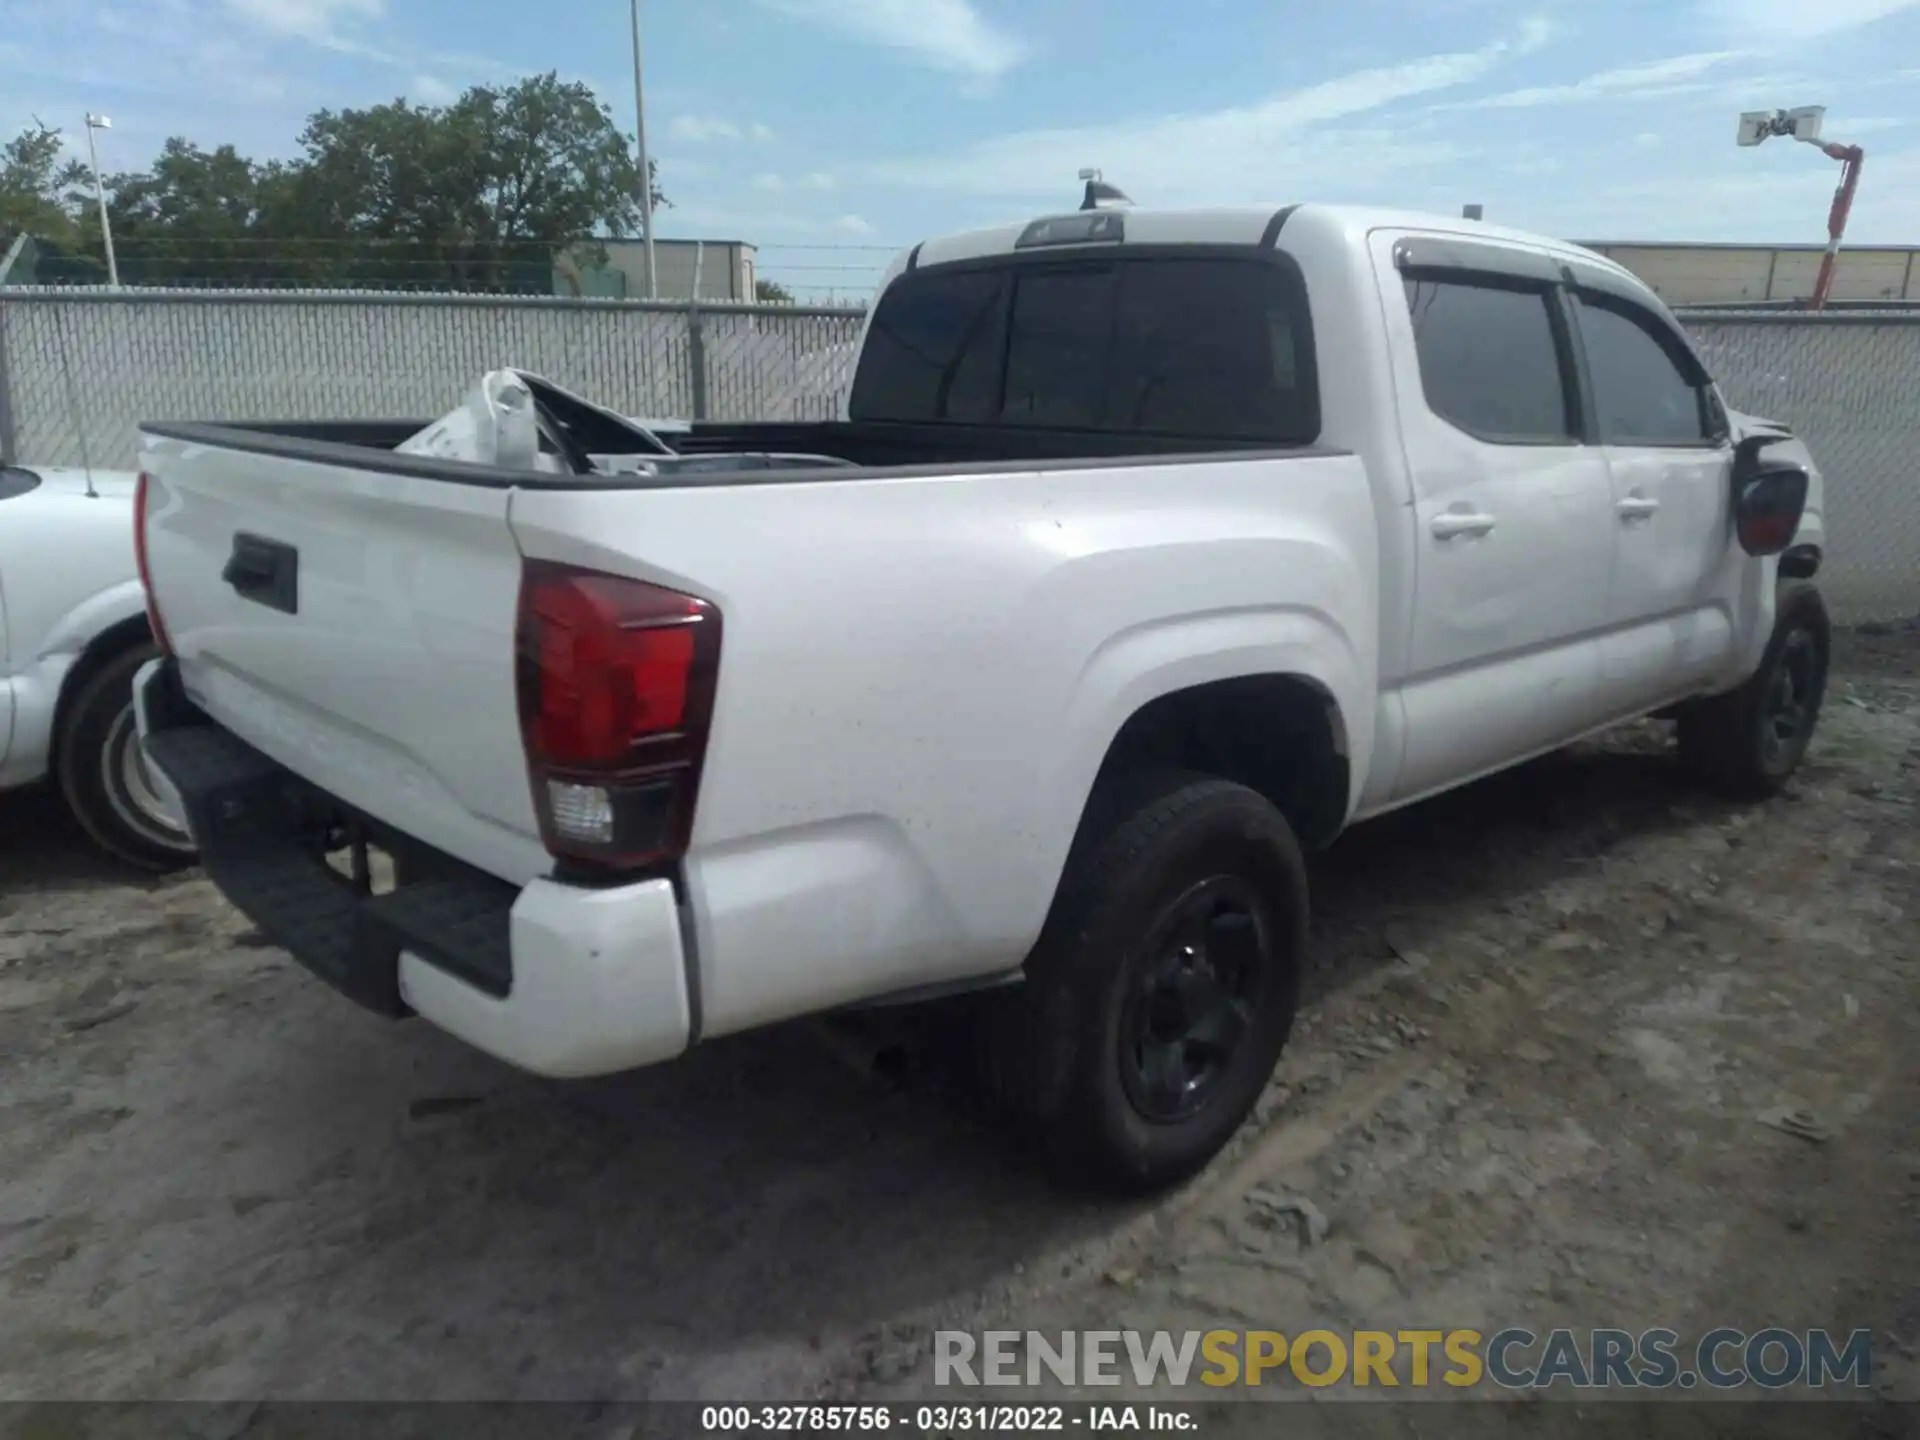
point(1517, 1359)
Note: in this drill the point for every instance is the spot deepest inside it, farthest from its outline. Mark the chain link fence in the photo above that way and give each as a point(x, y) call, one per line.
point(1849, 385)
point(79, 372)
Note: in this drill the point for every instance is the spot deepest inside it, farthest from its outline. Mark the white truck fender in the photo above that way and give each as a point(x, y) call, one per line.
point(1139, 666)
point(93, 617)
point(38, 683)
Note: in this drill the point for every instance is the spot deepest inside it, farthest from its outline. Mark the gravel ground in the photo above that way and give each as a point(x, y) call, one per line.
point(1545, 1017)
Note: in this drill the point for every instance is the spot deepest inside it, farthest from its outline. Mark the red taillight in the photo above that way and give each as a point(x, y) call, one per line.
point(616, 680)
point(1767, 534)
point(140, 561)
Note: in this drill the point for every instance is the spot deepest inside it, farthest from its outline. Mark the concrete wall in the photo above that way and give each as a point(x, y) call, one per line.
point(1746, 274)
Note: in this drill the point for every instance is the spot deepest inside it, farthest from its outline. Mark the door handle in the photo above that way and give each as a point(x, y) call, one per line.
point(266, 572)
point(1637, 507)
point(1449, 523)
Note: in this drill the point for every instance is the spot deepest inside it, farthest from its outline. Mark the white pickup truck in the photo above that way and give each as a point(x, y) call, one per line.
point(1163, 546)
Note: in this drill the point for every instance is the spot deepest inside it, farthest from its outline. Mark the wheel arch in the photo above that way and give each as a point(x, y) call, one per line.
point(1283, 734)
point(1287, 667)
point(106, 646)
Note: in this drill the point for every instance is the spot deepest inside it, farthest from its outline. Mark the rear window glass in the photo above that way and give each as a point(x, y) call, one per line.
point(935, 349)
point(1060, 349)
point(1208, 348)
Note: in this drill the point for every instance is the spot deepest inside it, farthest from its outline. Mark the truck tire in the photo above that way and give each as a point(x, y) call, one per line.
point(1748, 742)
point(103, 774)
point(1163, 986)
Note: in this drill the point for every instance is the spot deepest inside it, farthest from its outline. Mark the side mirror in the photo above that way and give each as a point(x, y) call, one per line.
point(1767, 509)
point(1746, 458)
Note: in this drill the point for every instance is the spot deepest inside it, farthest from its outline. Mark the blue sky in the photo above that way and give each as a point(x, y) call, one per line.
point(831, 131)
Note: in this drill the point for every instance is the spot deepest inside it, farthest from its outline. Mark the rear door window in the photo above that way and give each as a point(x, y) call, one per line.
point(1489, 360)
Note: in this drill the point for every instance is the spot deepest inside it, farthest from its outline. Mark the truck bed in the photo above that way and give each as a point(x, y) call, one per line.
point(868, 444)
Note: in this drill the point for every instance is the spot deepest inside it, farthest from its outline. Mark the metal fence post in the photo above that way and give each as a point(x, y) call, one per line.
point(697, 360)
point(7, 437)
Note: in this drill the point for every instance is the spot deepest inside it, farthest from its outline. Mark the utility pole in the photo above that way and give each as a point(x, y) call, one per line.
point(646, 169)
point(101, 122)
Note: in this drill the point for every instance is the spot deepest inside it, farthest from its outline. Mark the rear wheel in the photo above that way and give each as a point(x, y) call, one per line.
point(1164, 985)
point(103, 772)
point(1749, 741)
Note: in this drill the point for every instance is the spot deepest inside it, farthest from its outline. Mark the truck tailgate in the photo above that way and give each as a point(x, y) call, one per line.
point(357, 627)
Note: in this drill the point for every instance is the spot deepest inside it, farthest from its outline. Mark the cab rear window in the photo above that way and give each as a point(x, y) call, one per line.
point(1208, 347)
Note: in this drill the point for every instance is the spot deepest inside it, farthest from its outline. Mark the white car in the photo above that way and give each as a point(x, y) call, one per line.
point(73, 630)
point(1164, 546)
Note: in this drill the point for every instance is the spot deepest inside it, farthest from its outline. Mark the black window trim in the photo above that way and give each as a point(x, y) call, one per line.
point(1615, 290)
point(1013, 263)
point(1621, 299)
point(1481, 266)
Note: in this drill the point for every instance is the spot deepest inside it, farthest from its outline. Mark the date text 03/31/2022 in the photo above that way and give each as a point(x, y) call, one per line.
point(943, 1419)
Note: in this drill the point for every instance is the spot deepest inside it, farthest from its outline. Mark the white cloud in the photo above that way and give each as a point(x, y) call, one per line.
point(1222, 154)
point(712, 129)
point(1758, 204)
point(1845, 130)
point(1786, 21)
point(702, 129)
point(1536, 32)
point(1656, 77)
point(317, 20)
point(950, 35)
point(818, 180)
point(776, 229)
point(432, 90)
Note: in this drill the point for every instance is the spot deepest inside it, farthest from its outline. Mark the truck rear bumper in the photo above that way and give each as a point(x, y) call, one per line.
point(557, 979)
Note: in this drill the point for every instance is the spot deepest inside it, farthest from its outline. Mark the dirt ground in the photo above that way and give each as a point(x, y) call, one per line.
point(1545, 1018)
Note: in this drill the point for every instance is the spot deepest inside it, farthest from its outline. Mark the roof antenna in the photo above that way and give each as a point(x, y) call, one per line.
point(1100, 195)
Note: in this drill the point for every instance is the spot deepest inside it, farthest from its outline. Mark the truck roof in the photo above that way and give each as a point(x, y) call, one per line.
point(1249, 225)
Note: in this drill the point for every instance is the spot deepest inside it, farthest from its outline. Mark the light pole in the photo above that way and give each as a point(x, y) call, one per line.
point(646, 170)
point(1803, 125)
point(101, 122)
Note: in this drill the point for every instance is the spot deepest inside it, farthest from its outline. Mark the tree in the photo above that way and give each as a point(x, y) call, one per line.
point(480, 195)
point(464, 194)
point(772, 292)
point(199, 217)
point(35, 188)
